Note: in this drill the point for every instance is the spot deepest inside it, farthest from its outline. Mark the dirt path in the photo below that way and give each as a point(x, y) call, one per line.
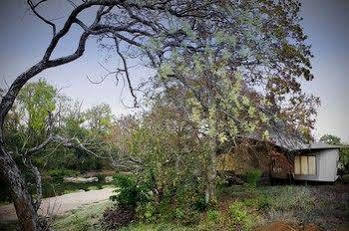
point(59, 205)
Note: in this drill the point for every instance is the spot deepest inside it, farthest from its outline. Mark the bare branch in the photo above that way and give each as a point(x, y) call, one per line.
point(82, 25)
point(33, 8)
point(126, 71)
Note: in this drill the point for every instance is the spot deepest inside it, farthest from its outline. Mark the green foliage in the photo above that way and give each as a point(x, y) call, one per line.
point(200, 203)
point(179, 213)
point(39, 100)
point(343, 152)
point(330, 139)
point(241, 216)
point(83, 219)
point(253, 176)
point(147, 212)
point(58, 174)
point(344, 159)
point(128, 192)
point(101, 178)
point(157, 227)
point(213, 215)
point(99, 118)
point(262, 201)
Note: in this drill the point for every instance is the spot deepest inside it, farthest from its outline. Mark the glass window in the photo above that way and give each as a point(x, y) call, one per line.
point(305, 165)
point(311, 165)
point(297, 165)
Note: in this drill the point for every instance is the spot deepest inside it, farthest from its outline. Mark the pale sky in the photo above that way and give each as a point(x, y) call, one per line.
point(23, 40)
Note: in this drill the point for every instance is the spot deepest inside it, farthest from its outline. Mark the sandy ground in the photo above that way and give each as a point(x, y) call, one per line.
point(59, 205)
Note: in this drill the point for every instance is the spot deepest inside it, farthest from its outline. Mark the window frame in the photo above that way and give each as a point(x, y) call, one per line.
point(307, 165)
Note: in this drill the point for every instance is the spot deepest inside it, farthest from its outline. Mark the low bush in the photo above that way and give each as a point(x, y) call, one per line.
point(213, 215)
point(243, 220)
point(147, 212)
point(58, 174)
point(253, 176)
point(129, 193)
point(261, 201)
point(100, 177)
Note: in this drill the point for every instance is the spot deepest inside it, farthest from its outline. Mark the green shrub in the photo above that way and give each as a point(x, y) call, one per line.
point(147, 212)
point(200, 204)
point(264, 202)
point(129, 193)
point(100, 177)
point(251, 202)
point(241, 216)
point(253, 176)
point(179, 212)
point(61, 172)
point(260, 202)
point(213, 215)
point(58, 174)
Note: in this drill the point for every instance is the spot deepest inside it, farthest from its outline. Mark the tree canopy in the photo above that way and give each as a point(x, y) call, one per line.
point(234, 68)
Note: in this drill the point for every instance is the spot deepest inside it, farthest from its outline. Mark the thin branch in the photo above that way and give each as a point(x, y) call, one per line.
point(125, 71)
point(33, 8)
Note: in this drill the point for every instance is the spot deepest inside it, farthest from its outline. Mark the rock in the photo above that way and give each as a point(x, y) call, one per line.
point(80, 179)
point(108, 179)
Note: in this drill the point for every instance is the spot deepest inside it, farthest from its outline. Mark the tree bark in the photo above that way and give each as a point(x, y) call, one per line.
point(211, 197)
point(22, 200)
point(26, 213)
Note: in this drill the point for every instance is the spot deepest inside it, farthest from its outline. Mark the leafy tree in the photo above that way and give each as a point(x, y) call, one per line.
point(240, 73)
point(99, 118)
point(343, 152)
point(261, 41)
point(163, 152)
point(38, 100)
point(330, 139)
point(344, 159)
point(28, 123)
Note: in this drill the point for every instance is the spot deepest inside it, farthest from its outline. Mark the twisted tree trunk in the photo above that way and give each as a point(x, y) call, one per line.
point(211, 197)
point(26, 213)
point(22, 200)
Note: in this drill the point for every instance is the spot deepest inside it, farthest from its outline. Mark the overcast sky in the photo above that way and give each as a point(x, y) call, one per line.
point(23, 40)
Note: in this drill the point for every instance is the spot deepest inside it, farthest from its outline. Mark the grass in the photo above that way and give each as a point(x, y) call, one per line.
point(240, 208)
point(157, 227)
point(88, 218)
point(83, 219)
point(322, 205)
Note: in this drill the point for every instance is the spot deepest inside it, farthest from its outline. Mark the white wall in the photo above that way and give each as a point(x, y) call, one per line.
point(326, 166)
